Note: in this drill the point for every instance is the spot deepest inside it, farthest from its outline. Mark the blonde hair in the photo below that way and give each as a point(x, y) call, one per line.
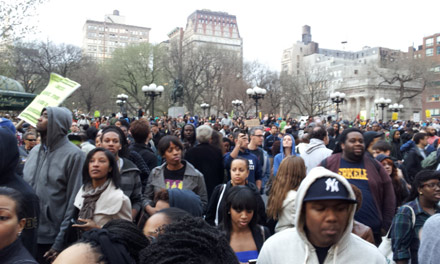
point(291, 172)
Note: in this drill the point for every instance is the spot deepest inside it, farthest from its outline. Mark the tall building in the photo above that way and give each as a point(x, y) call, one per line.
point(429, 52)
point(101, 38)
point(210, 27)
point(355, 73)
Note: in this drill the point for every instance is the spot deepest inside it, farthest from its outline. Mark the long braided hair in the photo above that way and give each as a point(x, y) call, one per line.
point(189, 240)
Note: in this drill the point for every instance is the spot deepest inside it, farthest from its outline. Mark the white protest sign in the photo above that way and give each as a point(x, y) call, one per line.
point(58, 89)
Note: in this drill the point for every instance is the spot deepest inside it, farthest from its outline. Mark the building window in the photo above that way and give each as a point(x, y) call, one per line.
point(434, 98)
point(438, 50)
point(355, 71)
point(429, 52)
point(435, 111)
point(438, 39)
point(429, 42)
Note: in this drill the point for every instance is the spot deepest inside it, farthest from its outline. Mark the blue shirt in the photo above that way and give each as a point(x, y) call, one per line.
point(356, 174)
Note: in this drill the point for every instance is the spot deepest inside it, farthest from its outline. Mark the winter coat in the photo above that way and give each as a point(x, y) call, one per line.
point(54, 170)
point(16, 253)
point(9, 158)
point(293, 246)
point(131, 184)
point(287, 217)
point(111, 204)
point(209, 161)
point(315, 153)
point(192, 180)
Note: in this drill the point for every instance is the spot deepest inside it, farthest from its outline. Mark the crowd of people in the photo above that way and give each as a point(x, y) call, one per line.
point(75, 189)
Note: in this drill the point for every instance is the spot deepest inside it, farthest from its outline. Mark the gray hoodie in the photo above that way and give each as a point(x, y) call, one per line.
point(54, 172)
point(314, 153)
point(293, 246)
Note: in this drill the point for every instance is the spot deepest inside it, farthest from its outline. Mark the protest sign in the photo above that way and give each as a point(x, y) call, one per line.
point(395, 116)
point(252, 122)
point(58, 89)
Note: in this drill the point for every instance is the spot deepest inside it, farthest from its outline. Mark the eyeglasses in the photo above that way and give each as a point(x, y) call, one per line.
point(31, 139)
point(432, 185)
point(258, 136)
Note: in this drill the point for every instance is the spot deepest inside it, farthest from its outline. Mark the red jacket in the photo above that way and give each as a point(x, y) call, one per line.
point(379, 182)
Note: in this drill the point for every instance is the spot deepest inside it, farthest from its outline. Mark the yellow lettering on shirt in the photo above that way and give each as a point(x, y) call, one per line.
point(353, 173)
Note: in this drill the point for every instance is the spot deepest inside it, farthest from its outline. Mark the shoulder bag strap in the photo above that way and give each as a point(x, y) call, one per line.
point(218, 204)
point(413, 215)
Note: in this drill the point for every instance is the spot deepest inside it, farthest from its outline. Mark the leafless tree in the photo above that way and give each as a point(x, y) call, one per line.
point(411, 76)
point(306, 93)
point(133, 67)
point(93, 93)
point(14, 22)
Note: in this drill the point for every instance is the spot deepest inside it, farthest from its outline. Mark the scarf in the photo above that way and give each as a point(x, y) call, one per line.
point(91, 195)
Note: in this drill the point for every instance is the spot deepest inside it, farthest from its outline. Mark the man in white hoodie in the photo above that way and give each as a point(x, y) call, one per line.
point(316, 151)
point(325, 208)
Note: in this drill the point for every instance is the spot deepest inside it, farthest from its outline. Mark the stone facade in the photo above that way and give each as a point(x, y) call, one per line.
point(356, 74)
point(100, 39)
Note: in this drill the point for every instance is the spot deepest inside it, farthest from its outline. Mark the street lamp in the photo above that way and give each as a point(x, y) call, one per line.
point(122, 99)
point(256, 93)
point(237, 104)
point(396, 107)
point(204, 106)
point(152, 91)
point(337, 98)
point(382, 103)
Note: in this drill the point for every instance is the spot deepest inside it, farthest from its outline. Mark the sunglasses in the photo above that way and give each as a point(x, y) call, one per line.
point(31, 139)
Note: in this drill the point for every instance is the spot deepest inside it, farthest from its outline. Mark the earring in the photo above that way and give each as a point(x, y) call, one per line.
point(19, 233)
point(229, 212)
point(421, 193)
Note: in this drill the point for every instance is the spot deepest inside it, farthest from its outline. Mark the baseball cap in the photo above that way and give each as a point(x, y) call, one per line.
point(328, 188)
point(4, 122)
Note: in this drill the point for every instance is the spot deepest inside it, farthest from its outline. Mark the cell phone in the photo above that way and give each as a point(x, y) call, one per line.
point(77, 222)
point(252, 261)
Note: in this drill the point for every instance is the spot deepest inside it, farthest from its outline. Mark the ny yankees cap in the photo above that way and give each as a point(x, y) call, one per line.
point(328, 188)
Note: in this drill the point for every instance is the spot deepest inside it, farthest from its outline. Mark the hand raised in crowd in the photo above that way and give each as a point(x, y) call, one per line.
point(51, 255)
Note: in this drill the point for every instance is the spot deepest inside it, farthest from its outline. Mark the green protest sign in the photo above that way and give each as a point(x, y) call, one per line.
point(58, 89)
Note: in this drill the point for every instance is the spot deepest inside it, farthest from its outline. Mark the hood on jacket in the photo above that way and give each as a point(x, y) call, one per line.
point(186, 200)
point(391, 137)
point(293, 153)
point(314, 144)
point(58, 124)
point(8, 152)
point(313, 175)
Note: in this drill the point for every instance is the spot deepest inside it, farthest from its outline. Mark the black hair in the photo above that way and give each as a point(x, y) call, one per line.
point(119, 241)
point(17, 197)
point(238, 132)
point(189, 240)
point(382, 145)
point(174, 214)
point(182, 133)
point(420, 178)
point(343, 138)
point(419, 136)
point(239, 198)
point(164, 144)
point(246, 161)
point(123, 152)
point(91, 133)
point(124, 122)
point(318, 132)
point(113, 174)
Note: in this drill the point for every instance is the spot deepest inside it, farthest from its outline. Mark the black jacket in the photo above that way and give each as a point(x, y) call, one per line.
point(212, 205)
point(209, 161)
point(413, 163)
point(147, 154)
point(16, 253)
point(9, 159)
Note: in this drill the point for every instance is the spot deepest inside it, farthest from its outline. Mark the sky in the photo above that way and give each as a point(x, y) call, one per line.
point(266, 27)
